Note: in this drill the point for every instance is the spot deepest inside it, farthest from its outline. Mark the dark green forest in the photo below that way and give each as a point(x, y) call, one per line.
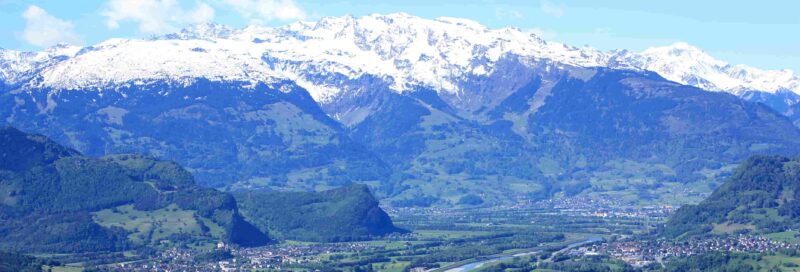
point(343, 214)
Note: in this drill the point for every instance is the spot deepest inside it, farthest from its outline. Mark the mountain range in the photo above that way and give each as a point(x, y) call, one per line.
point(403, 51)
point(427, 111)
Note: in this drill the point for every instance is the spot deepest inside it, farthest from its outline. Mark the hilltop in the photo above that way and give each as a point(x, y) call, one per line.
point(343, 214)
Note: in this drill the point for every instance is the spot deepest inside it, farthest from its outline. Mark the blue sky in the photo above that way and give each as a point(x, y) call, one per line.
point(764, 34)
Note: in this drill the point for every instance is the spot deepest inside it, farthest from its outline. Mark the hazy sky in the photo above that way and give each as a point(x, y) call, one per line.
point(764, 34)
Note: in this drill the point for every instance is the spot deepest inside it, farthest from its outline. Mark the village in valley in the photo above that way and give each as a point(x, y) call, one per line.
point(591, 227)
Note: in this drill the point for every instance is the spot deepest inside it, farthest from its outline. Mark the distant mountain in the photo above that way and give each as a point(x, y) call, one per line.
point(687, 64)
point(53, 199)
point(343, 214)
point(763, 196)
point(428, 111)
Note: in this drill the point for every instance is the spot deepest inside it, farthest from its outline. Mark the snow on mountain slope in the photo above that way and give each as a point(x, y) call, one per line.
point(415, 51)
point(405, 51)
point(690, 65)
point(16, 66)
point(118, 61)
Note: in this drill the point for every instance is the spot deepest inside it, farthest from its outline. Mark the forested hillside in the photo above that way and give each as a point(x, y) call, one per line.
point(56, 200)
point(343, 214)
point(763, 195)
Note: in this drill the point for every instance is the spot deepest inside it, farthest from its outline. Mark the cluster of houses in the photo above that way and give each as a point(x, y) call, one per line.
point(244, 259)
point(602, 207)
point(641, 253)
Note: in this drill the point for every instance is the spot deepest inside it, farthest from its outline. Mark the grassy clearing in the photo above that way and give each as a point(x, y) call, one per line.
point(446, 234)
point(62, 268)
point(633, 182)
point(731, 228)
point(397, 266)
point(781, 262)
point(786, 236)
point(153, 226)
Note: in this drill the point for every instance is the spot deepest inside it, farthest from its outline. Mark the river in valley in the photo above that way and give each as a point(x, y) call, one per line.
point(480, 263)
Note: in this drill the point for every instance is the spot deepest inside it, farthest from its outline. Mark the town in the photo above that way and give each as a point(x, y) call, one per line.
point(226, 258)
point(639, 253)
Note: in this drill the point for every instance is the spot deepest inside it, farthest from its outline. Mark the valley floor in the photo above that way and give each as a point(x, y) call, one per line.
point(441, 239)
point(541, 235)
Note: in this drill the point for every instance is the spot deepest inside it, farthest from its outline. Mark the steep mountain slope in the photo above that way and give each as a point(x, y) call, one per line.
point(222, 132)
point(616, 119)
point(571, 129)
point(437, 153)
point(342, 214)
point(763, 195)
point(52, 199)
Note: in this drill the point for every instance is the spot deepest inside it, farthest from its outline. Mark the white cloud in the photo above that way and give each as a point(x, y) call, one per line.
point(504, 13)
point(553, 9)
point(201, 14)
point(155, 16)
point(258, 11)
point(43, 29)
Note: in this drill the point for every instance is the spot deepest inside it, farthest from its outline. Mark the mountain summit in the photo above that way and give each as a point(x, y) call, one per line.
point(687, 64)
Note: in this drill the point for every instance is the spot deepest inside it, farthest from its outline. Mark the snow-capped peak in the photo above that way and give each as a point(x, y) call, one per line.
point(205, 31)
point(685, 63)
point(408, 51)
point(677, 48)
point(405, 51)
point(462, 22)
point(63, 49)
point(16, 66)
point(117, 62)
point(682, 52)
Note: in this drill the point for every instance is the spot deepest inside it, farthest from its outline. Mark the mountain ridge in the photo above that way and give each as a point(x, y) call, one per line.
point(406, 51)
